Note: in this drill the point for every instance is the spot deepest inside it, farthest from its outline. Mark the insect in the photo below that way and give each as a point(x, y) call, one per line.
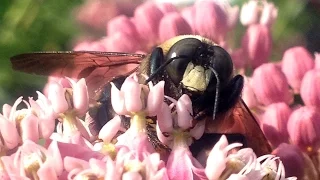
point(188, 64)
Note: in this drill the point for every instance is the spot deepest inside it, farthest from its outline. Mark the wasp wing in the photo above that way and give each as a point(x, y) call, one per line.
point(98, 68)
point(240, 120)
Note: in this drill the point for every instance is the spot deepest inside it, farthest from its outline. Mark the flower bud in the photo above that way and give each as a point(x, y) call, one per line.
point(122, 24)
point(257, 44)
point(248, 95)
point(210, 20)
point(269, 14)
point(274, 123)
point(296, 62)
point(115, 43)
point(310, 88)
point(147, 18)
point(249, 13)
point(270, 85)
point(292, 159)
point(189, 14)
point(304, 128)
point(171, 25)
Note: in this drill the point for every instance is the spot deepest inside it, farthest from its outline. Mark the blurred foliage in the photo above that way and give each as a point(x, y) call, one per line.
point(39, 25)
point(28, 26)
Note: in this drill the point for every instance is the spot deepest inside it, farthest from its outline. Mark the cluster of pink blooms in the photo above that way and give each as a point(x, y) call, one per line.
point(283, 95)
point(31, 149)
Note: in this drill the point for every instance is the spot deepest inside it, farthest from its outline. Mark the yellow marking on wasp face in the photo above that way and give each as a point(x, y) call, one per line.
point(196, 78)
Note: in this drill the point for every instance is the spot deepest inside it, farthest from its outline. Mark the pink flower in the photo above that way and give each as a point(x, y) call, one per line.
point(248, 95)
point(96, 13)
point(249, 13)
point(90, 46)
point(296, 62)
point(270, 85)
point(292, 159)
point(177, 129)
point(210, 20)
point(274, 123)
point(80, 169)
point(8, 130)
point(34, 161)
point(134, 97)
point(217, 159)
point(304, 128)
point(310, 88)
point(147, 18)
point(262, 12)
point(171, 25)
point(257, 44)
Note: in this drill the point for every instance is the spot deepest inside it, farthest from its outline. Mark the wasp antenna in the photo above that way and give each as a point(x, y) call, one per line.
point(152, 76)
point(217, 93)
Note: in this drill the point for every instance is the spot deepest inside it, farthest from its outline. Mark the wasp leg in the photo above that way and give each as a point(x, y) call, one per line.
point(230, 94)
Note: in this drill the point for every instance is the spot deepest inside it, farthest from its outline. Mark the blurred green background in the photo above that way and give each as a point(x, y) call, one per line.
point(39, 25)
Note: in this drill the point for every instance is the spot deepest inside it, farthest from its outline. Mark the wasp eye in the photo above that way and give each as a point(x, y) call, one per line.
point(183, 51)
point(222, 63)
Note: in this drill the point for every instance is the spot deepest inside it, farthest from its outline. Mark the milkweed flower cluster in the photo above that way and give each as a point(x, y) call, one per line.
point(283, 95)
point(32, 149)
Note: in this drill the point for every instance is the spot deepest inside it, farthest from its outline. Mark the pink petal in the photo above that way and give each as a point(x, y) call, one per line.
point(184, 111)
point(164, 119)
point(6, 109)
point(274, 123)
point(14, 107)
point(198, 130)
point(57, 97)
point(80, 97)
point(171, 25)
point(132, 95)
point(257, 44)
point(179, 165)
point(115, 43)
point(210, 20)
point(296, 62)
point(304, 128)
point(117, 100)
point(270, 85)
point(167, 7)
point(47, 172)
point(110, 129)
point(55, 157)
point(155, 98)
point(9, 133)
point(188, 14)
point(310, 88)
point(249, 13)
point(217, 159)
point(269, 14)
point(292, 159)
point(29, 128)
point(147, 18)
point(71, 163)
point(122, 24)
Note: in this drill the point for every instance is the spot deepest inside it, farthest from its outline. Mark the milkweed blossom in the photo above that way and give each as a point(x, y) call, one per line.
point(119, 152)
point(53, 136)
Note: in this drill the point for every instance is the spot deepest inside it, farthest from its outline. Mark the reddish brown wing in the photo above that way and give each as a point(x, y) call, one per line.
point(240, 120)
point(97, 67)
